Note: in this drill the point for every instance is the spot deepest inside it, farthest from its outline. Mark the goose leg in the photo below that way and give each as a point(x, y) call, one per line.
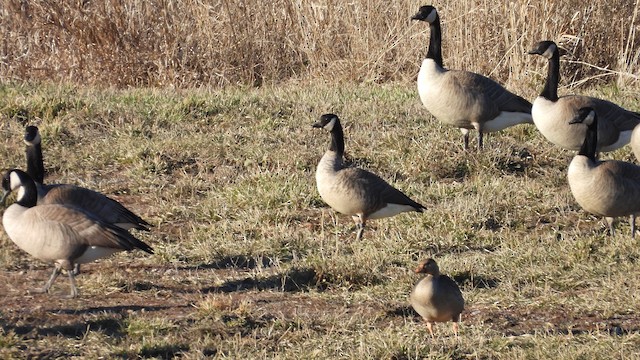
point(74, 289)
point(47, 285)
point(478, 128)
point(465, 137)
point(632, 222)
point(359, 225)
point(610, 223)
point(430, 328)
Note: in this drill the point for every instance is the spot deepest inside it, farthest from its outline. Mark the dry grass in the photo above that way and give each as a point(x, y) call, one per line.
point(251, 264)
point(197, 116)
point(185, 43)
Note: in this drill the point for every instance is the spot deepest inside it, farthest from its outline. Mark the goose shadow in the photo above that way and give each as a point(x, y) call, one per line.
point(234, 262)
point(292, 281)
point(476, 281)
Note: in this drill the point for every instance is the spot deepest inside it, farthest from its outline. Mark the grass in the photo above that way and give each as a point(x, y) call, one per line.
point(251, 263)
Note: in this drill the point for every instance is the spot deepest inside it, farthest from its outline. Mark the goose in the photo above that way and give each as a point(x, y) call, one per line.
point(608, 188)
point(436, 297)
point(58, 233)
point(101, 206)
point(461, 98)
point(552, 114)
point(354, 191)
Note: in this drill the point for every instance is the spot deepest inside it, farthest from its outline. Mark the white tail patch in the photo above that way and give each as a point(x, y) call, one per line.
point(390, 210)
point(94, 253)
point(623, 139)
point(505, 120)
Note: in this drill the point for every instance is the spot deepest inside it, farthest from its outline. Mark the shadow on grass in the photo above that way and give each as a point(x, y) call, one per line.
point(234, 262)
point(476, 281)
point(292, 281)
point(405, 311)
point(110, 327)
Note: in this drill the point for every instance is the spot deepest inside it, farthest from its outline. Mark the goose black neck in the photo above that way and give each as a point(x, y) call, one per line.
point(589, 146)
point(29, 196)
point(550, 90)
point(435, 42)
point(35, 165)
point(337, 139)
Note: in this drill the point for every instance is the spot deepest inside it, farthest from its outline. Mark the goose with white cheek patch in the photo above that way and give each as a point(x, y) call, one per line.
point(464, 99)
point(436, 297)
point(57, 233)
point(608, 188)
point(354, 191)
point(552, 114)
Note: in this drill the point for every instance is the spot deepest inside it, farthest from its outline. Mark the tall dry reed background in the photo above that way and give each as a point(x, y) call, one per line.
point(216, 43)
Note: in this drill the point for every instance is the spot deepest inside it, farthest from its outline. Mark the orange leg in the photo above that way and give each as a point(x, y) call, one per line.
point(430, 327)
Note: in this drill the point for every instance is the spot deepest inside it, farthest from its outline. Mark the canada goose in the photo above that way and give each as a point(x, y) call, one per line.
point(353, 191)
point(436, 297)
point(58, 233)
point(608, 188)
point(551, 114)
point(461, 98)
point(101, 206)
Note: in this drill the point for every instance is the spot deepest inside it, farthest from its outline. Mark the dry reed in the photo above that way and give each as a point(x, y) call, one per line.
point(182, 43)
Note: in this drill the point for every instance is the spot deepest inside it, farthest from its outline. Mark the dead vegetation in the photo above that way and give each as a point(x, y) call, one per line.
point(191, 44)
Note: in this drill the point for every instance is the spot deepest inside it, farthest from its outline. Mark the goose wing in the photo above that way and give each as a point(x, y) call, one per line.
point(367, 183)
point(69, 225)
point(95, 203)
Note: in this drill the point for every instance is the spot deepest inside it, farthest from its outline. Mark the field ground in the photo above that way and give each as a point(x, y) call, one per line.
point(250, 263)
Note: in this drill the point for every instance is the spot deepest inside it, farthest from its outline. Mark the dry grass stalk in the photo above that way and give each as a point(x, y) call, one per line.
point(185, 44)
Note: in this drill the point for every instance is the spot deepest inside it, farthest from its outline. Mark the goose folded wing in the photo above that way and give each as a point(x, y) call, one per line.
point(82, 228)
point(93, 202)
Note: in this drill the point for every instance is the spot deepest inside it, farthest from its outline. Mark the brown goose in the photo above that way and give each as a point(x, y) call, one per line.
point(353, 191)
point(552, 114)
point(58, 233)
point(608, 188)
point(461, 98)
point(436, 297)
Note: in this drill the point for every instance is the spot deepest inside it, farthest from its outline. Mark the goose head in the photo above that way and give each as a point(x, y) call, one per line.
point(32, 135)
point(17, 179)
point(545, 48)
point(587, 116)
point(428, 266)
point(327, 122)
point(426, 13)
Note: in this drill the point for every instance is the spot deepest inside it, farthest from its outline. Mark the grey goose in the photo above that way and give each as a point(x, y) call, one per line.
point(436, 297)
point(552, 114)
point(461, 98)
point(58, 233)
point(354, 191)
point(608, 188)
